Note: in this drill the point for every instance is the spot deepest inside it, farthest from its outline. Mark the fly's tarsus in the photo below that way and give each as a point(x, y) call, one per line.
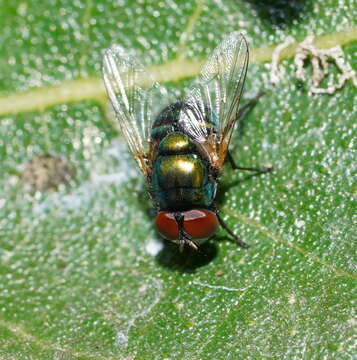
point(239, 241)
point(262, 170)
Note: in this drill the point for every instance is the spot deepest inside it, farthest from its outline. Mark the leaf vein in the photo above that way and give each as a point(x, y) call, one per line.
point(279, 239)
point(82, 89)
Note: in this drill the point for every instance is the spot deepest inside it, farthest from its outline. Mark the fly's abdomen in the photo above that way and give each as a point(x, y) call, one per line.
point(180, 177)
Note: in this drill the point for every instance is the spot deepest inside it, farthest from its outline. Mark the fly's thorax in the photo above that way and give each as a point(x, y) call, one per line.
point(180, 177)
point(177, 165)
point(180, 171)
point(176, 143)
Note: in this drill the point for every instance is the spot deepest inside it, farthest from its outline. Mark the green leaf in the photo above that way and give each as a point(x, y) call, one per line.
point(78, 278)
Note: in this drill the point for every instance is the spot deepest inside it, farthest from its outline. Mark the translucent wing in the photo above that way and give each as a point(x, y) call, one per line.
point(215, 100)
point(125, 79)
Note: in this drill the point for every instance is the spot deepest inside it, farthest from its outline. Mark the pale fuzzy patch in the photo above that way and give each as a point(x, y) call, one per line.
point(277, 72)
point(154, 246)
point(320, 60)
point(152, 289)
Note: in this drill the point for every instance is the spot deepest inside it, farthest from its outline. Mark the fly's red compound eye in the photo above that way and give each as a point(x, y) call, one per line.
point(199, 224)
point(167, 225)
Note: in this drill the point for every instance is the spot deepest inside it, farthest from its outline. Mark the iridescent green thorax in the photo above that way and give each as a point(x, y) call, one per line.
point(180, 174)
point(180, 177)
point(180, 171)
point(176, 143)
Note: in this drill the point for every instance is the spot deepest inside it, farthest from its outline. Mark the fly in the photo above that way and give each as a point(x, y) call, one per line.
point(181, 147)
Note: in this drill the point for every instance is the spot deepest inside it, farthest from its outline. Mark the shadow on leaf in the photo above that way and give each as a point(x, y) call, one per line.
point(189, 259)
point(282, 13)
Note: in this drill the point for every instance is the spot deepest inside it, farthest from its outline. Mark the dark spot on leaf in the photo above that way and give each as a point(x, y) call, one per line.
point(44, 172)
point(281, 13)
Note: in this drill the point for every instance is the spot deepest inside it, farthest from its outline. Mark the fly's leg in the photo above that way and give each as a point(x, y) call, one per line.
point(184, 238)
point(242, 111)
point(257, 170)
point(238, 240)
point(250, 104)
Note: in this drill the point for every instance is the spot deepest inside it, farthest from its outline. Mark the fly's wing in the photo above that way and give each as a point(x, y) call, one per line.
point(215, 99)
point(124, 79)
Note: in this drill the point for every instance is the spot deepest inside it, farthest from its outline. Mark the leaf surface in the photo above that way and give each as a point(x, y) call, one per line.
point(78, 278)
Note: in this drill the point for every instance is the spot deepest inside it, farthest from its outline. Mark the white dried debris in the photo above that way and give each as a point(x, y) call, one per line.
point(320, 60)
point(277, 72)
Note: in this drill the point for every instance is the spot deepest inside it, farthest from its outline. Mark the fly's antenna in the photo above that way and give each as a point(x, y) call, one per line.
point(184, 238)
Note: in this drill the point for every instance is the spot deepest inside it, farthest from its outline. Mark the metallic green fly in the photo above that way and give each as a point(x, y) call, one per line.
point(182, 145)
